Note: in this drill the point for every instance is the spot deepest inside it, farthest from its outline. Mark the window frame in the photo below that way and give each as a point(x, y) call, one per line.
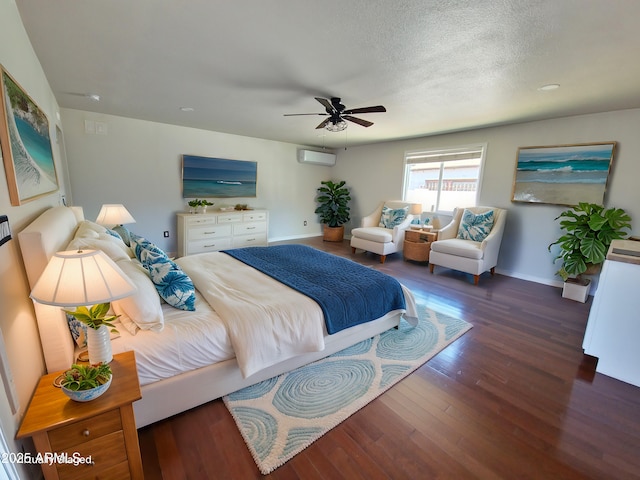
point(438, 155)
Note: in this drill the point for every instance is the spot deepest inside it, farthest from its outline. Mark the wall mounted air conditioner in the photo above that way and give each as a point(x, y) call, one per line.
point(316, 158)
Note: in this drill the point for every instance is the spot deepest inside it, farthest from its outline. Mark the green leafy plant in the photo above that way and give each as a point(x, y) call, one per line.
point(95, 317)
point(86, 377)
point(199, 203)
point(588, 232)
point(333, 199)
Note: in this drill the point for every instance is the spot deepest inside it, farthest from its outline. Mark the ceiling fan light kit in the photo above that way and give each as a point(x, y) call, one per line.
point(338, 113)
point(336, 127)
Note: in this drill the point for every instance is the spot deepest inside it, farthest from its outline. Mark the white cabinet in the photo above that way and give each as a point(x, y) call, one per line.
point(209, 232)
point(613, 329)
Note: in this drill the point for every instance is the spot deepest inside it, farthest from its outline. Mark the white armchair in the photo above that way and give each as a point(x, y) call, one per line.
point(467, 255)
point(380, 240)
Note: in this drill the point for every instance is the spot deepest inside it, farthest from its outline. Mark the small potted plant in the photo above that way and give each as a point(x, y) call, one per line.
point(99, 325)
point(83, 383)
point(199, 206)
point(588, 231)
point(333, 209)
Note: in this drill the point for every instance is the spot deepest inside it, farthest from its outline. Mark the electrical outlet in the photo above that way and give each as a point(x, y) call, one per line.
point(305, 223)
point(166, 234)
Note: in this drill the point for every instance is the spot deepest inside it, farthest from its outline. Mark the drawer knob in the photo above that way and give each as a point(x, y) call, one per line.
point(86, 432)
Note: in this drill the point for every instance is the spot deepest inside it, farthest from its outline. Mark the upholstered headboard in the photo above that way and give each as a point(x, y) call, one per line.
point(51, 232)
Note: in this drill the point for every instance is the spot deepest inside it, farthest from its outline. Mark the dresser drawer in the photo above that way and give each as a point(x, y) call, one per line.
point(254, 217)
point(229, 217)
point(195, 220)
point(105, 452)
point(248, 228)
point(208, 245)
point(208, 231)
point(250, 240)
point(65, 437)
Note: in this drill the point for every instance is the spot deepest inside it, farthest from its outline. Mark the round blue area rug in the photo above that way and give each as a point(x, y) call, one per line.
point(280, 417)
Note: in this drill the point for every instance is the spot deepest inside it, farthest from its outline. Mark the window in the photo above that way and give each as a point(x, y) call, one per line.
point(443, 179)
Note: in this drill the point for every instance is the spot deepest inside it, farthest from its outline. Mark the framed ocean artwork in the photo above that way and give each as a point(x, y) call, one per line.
point(26, 144)
point(218, 177)
point(563, 174)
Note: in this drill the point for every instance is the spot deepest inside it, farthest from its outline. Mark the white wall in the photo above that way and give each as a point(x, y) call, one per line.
point(17, 320)
point(375, 172)
point(138, 163)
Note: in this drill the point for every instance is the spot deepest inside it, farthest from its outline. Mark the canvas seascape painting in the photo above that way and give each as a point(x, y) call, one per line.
point(31, 155)
point(563, 175)
point(218, 177)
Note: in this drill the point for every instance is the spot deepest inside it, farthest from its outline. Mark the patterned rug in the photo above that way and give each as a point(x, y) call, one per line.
point(282, 416)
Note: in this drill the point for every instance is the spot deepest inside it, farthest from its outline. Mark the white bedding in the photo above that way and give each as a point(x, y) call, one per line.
point(290, 323)
point(190, 340)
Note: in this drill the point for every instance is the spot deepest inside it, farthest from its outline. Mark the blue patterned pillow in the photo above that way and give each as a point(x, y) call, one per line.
point(78, 330)
point(172, 284)
point(392, 216)
point(475, 227)
point(123, 233)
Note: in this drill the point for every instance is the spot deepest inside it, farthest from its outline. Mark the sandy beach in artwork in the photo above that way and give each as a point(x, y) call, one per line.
point(559, 193)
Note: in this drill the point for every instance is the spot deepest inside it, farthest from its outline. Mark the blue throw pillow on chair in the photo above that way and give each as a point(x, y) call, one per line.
point(475, 227)
point(391, 217)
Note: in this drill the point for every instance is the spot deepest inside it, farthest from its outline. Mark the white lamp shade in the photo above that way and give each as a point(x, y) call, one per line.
point(84, 277)
point(416, 209)
point(114, 214)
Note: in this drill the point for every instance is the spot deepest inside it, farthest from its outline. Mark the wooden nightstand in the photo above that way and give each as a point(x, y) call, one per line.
point(104, 428)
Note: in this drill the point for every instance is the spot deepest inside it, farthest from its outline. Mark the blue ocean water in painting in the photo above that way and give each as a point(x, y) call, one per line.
point(584, 166)
point(217, 188)
point(218, 177)
point(38, 147)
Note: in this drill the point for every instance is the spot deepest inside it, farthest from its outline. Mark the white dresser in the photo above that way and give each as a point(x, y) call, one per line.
point(613, 329)
point(209, 232)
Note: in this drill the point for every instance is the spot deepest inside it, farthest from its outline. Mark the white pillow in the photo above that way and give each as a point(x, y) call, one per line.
point(142, 310)
point(113, 251)
point(90, 230)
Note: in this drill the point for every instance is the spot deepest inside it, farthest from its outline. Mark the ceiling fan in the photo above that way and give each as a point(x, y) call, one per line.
point(338, 113)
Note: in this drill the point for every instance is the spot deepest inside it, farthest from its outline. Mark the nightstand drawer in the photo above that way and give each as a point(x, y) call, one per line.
point(106, 452)
point(85, 430)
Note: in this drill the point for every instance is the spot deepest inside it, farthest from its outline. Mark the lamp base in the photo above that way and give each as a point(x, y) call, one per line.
point(99, 344)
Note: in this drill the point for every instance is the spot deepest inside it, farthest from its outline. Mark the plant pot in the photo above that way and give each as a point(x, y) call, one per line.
point(99, 344)
point(333, 234)
point(575, 290)
point(87, 395)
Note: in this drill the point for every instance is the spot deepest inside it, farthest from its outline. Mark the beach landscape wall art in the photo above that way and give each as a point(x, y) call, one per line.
point(218, 177)
point(26, 144)
point(564, 174)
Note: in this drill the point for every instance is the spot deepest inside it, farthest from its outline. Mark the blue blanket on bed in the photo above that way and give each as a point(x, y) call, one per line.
point(347, 292)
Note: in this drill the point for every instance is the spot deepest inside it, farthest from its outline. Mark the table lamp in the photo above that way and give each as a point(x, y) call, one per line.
point(80, 279)
point(115, 215)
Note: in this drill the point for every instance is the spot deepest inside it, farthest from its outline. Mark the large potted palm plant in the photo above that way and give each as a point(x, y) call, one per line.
point(588, 230)
point(333, 209)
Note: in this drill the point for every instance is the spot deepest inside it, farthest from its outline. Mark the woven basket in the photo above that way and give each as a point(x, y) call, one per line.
point(417, 251)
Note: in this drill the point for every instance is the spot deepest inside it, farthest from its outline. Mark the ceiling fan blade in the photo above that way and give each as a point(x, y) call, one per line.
point(326, 104)
point(376, 109)
point(298, 114)
point(359, 121)
point(324, 123)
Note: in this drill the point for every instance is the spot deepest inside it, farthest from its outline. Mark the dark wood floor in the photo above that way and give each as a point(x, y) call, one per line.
point(514, 398)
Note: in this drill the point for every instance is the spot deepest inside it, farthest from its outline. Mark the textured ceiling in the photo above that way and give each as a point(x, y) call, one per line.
point(437, 66)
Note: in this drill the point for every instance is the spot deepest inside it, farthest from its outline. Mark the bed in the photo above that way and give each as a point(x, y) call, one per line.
point(198, 351)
